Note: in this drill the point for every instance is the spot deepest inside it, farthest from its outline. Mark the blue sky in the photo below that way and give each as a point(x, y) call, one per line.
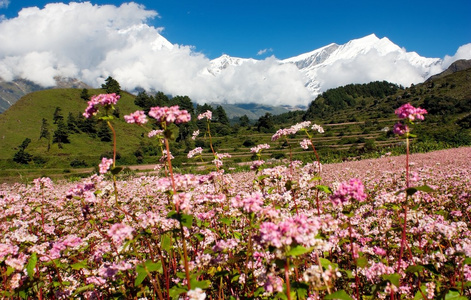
point(171, 45)
point(284, 29)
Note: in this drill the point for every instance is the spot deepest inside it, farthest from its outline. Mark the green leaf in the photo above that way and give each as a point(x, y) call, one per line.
point(362, 262)
point(166, 243)
point(325, 263)
point(141, 275)
point(184, 219)
point(83, 289)
point(324, 188)
point(301, 289)
point(393, 278)
point(154, 266)
point(33, 260)
point(414, 269)
point(116, 170)
point(467, 261)
point(226, 221)
point(454, 295)
point(298, 250)
point(342, 295)
point(106, 118)
point(176, 291)
point(80, 265)
point(425, 188)
point(204, 284)
point(187, 220)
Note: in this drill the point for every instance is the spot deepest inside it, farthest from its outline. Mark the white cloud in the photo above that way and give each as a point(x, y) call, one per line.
point(463, 52)
point(263, 51)
point(92, 42)
point(4, 3)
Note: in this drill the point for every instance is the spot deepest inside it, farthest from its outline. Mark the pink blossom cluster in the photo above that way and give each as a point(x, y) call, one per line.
point(119, 232)
point(256, 164)
point(105, 165)
point(317, 128)
point(196, 151)
point(298, 229)
point(305, 143)
point(206, 115)
point(103, 100)
point(250, 203)
point(400, 128)
point(259, 148)
point(292, 130)
point(138, 117)
point(195, 134)
point(346, 191)
point(169, 115)
point(407, 111)
point(157, 132)
point(43, 182)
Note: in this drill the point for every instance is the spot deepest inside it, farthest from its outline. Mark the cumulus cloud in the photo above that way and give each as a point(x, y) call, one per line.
point(463, 52)
point(91, 42)
point(371, 66)
point(263, 51)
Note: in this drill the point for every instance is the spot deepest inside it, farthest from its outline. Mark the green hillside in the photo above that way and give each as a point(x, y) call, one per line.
point(24, 119)
point(357, 119)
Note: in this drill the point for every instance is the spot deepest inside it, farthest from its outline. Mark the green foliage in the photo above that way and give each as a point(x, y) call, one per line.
point(84, 95)
point(61, 135)
point(23, 157)
point(265, 123)
point(111, 86)
point(221, 116)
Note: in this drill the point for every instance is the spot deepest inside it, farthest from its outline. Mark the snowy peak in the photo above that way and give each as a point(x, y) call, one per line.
point(221, 63)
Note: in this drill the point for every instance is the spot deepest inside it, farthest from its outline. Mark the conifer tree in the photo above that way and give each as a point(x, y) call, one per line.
point(61, 134)
point(44, 132)
point(111, 86)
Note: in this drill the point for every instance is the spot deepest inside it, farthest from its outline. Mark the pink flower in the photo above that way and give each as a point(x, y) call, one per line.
point(259, 148)
point(194, 152)
point(305, 144)
point(137, 117)
point(407, 111)
point(208, 115)
point(105, 165)
point(119, 232)
point(195, 134)
point(169, 115)
point(400, 128)
point(155, 132)
point(317, 128)
point(256, 164)
point(103, 100)
point(346, 191)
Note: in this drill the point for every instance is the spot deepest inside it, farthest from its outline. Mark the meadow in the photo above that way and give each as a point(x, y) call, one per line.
point(396, 227)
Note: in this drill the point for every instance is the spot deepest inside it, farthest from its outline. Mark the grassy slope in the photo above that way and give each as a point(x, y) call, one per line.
point(25, 117)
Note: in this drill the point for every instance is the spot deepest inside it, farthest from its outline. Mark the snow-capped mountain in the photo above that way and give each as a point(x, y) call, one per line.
point(224, 61)
point(358, 61)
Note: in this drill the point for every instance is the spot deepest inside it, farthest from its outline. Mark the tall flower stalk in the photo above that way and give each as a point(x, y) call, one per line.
point(407, 114)
point(107, 101)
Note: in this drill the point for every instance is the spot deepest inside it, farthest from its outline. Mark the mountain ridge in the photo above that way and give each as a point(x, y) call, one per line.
point(360, 60)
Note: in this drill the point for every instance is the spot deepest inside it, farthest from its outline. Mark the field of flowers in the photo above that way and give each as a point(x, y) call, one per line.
point(390, 228)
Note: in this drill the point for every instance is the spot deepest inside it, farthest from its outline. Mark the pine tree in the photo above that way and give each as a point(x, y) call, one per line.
point(104, 132)
point(44, 133)
point(221, 116)
point(72, 123)
point(57, 115)
point(61, 134)
point(21, 156)
point(84, 95)
point(111, 86)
